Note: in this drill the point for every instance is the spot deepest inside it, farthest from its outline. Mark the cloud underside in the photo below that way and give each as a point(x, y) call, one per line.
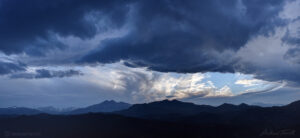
point(166, 36)
point(7, 68)
point(44, 73)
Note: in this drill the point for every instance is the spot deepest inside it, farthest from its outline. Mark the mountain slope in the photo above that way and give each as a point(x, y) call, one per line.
point(18, 111)
point(165, 109)
point(53, 110)
point(106, 106)
point(173, 110)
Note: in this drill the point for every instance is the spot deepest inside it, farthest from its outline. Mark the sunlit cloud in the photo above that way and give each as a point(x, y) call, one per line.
point(249, 83)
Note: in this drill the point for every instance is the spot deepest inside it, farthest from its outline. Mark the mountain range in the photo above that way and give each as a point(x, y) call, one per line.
point(167, 118)
point(157, 109)
point(103, 107)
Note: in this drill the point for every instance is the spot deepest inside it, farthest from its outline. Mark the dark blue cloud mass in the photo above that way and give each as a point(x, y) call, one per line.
point(27, 26)
point(6, 67)
point(181, 36)
point(162, 35)
point(43, 73)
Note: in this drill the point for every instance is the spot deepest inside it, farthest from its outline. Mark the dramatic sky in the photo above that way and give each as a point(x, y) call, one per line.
point(66, 53)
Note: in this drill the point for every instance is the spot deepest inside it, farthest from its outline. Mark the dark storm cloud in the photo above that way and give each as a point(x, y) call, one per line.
point(293, 54)
point(43, 73)
point(163, 35)
point(178, 35)
point(189, 36)
point(28, 25)
point(280, 72)
point(290, 39)
point(7, 68)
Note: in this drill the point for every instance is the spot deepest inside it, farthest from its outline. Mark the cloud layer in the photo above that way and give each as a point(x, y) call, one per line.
point(194, 36)
point(28, 26)
point(166, 45)
point(7, 68)
point(43, 73)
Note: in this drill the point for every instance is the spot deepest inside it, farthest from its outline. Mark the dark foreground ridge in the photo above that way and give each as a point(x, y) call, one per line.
point(162, 119)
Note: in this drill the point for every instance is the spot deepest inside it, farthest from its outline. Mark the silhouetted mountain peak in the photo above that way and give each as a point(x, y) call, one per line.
point(296, 103)
point(105, 106)
point(293, 106)
point(164, 108)
point(109, 102)
point(226, 105)
point(170, 103)
point(243, 105)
